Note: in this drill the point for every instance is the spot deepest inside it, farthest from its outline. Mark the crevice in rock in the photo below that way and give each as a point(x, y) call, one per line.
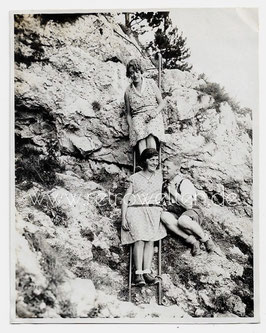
point(245, 248)
point(21, 109)
point(120, 165)
point(114, 59)
point(28, 60)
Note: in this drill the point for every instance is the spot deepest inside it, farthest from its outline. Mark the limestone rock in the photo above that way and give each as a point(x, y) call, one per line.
point(81, 293)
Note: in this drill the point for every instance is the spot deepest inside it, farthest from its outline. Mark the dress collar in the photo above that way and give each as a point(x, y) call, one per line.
point(143, 86)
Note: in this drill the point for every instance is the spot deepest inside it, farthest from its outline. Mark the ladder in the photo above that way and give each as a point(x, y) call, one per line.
point(160, 241)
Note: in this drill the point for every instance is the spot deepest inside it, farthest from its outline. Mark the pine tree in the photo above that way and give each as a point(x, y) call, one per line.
point(173, 48)
point(167, 38)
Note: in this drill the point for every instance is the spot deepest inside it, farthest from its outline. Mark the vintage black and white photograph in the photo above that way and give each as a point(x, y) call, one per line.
point(133, 162)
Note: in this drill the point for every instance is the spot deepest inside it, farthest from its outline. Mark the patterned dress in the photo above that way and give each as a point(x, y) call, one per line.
point(141, 105)
point(144, 221)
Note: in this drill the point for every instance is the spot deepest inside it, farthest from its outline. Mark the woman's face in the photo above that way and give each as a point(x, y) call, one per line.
point(152, 163)
point(134, 75)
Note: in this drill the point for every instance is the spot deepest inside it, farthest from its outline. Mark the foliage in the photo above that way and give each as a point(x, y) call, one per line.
point(46, 204)
point(219, 95)
point(245, 112)
point(33, 43)
point(67, 309)
point(61, 18)
point(87, 233)
point(52, 260)
point(96, 106)
point(153, 19)
point(215, 90)
point(173, 48)
point(34, 296)
point(221, 303)
point(167, 39)
point(31, 166)
point(202, 76)
point(95, 311)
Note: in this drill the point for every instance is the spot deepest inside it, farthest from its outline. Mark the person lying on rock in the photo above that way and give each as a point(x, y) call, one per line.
point(141, 211)
point(144, 103)
point(181, 215)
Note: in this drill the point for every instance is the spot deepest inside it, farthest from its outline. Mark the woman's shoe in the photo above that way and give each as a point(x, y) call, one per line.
point(139, 281)
point(150, 279)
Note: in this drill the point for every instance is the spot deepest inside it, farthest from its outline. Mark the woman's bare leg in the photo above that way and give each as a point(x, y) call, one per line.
point(151, 142)
point(148, 255)
point(138, 255)
point(142, 145)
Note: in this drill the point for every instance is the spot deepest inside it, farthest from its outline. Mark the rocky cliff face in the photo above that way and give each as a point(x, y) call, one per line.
point(72, 159)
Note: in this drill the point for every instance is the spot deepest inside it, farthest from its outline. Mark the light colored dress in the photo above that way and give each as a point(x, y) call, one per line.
point(144, 221)
point(142, 104)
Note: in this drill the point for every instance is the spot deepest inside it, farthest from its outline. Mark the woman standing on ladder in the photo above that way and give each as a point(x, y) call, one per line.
point(141, 211)
point(144, 104)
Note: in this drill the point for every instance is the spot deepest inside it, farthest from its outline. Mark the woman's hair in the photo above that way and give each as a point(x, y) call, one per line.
point(136, 65)
point(146, 154)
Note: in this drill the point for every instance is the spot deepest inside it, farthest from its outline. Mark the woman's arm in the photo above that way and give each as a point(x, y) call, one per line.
point(160, 101)
point(128, 112)
point(124, 207)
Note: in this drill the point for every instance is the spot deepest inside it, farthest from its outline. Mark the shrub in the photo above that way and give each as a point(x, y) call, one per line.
point(32, 294)
point(96, 106)
point(221, 303)
point(202, 76)
point(219, 95)
point(215, 90)
point(67, 309)
point(31, 166)
point(44, 203)
point(245, 111)
point(52, 260)
point(61, 18)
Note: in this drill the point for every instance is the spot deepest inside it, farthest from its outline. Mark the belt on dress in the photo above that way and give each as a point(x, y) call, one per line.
point(148, 205)
point(140, 110)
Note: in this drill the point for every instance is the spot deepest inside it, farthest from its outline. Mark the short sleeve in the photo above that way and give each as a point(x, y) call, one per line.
point(129, 181)
point(127, 91)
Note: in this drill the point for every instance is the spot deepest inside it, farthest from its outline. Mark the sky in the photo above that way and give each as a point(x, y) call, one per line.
point(224, 46)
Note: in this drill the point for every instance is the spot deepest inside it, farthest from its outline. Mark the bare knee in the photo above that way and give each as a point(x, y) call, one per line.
point(168, 219)
point(138, 244)
point(151, 143)
point(142, 145)
point(150, 137)
point(184, 222)
point(149, 244)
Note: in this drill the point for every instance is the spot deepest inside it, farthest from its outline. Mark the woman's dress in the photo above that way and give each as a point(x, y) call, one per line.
point(144, 220)
point(142, 104)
